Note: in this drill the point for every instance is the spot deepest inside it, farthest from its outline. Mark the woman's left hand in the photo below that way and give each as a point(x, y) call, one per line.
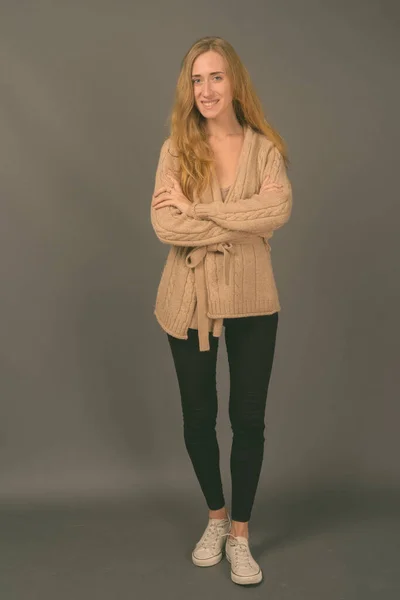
point(171, 195)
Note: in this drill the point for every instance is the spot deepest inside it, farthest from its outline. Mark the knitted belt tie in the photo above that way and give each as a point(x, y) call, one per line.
point(195, 260)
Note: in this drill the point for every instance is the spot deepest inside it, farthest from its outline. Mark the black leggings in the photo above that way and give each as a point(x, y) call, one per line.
point(250, 344)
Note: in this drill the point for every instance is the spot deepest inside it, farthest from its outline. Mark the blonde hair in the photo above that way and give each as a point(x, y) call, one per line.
point(188, 134)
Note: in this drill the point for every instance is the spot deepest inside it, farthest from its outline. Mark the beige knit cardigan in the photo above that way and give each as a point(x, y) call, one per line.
point(220, 260)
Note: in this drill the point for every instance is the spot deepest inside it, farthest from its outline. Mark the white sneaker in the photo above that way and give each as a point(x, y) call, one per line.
point(209, 549)
point(244, 569)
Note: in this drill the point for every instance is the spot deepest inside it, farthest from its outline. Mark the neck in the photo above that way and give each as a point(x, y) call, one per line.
point(224, 127)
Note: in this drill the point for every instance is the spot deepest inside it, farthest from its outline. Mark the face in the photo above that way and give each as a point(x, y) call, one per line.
point(210, 83)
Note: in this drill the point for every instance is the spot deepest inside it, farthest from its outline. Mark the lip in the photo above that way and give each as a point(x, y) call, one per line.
point(214, 103)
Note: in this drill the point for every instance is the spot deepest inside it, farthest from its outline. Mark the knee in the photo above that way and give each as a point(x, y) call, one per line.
point(248, 424)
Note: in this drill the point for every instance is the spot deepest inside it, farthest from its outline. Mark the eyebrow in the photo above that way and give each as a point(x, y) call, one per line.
point(213, 73)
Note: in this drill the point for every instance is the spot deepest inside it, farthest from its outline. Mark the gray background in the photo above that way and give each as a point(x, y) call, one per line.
point(92, 450)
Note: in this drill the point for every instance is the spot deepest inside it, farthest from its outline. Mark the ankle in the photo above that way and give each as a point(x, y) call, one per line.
point(221, 513)
point(240, 528)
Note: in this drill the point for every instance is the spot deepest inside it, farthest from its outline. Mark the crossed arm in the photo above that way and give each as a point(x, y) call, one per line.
point(217, 222)
point(261, 213)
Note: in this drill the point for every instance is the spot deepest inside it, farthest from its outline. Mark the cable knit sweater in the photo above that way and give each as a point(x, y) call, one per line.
point(219, 264)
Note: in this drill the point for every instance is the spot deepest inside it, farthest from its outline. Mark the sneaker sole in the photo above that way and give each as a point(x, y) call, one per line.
point(207, 562)
point(248, 580)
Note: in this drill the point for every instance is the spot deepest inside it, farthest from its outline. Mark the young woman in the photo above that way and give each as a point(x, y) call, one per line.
point(221, 190)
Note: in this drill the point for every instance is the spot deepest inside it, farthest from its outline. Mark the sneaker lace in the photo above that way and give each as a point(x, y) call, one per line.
point(241, 551)
point(212, 533)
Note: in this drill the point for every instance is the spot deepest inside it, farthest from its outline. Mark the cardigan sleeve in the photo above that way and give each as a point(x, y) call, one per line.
point(261, 213)
point(181, 229)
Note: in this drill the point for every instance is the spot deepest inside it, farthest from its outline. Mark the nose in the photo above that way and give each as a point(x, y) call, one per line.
point(206, 89)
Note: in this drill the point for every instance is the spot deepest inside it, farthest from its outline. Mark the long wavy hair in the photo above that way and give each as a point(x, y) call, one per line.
point(188, 134)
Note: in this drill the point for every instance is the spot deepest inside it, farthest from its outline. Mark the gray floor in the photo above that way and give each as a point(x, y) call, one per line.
point(329, 545)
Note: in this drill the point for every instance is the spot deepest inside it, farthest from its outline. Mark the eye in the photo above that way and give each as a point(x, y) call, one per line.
point(215, 77)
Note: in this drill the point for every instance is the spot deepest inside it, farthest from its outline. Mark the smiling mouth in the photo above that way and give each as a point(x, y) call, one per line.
point(209, 104)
